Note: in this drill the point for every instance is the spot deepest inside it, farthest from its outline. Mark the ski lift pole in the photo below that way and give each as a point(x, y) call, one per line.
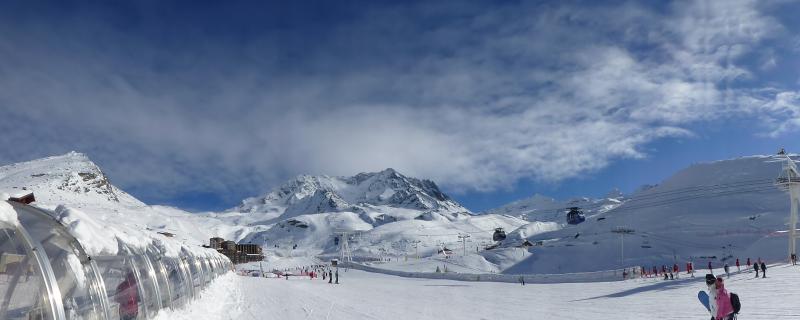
point(463, 238)
point(622, 231)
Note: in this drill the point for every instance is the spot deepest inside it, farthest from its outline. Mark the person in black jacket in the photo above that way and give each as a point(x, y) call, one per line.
point(763, 269)
point(757, 267)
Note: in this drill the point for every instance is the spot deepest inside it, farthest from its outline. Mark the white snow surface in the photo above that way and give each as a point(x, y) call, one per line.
point(7, 213)
point(363, 295)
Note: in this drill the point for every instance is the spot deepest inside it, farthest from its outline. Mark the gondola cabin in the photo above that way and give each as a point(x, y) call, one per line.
point(499, 234)
point(575, 216)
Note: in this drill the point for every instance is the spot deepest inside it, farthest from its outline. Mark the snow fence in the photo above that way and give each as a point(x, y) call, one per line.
point(598, 276)
point(46, 273)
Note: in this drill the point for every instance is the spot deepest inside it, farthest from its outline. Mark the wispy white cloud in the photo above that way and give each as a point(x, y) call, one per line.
point(473, 97)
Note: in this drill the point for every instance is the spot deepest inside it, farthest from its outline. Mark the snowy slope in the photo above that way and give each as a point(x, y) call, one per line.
point(362, 295)
point(543, 208)
point(710, 212)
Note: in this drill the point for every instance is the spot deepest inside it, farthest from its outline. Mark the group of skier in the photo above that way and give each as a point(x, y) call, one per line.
point(314, 271)
point(670, 273)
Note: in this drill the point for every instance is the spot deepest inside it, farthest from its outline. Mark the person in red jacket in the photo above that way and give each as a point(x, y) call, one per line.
point(738, 267)
point(128, 298)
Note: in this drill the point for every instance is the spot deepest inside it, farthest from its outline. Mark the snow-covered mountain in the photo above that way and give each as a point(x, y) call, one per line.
point(386, 211)
point(709, 212)
point(77, 192)
point(318, 194)
point(67, 178)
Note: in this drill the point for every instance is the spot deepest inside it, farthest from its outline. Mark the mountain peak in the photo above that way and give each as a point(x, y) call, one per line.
point(315, 194)
point(59, 178)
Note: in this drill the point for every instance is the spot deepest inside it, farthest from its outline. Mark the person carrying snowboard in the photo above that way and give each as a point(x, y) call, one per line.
point(763, 269)
point(756, 267)
point(723, 302)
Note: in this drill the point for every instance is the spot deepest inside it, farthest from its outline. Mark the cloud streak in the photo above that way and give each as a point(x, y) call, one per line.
point(473, 97)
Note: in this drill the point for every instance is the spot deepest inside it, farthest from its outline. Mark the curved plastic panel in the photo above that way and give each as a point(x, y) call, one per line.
point(180, 286)
point(46, 274)
point(122, 286)
point(71, 267)
point(164, 287)
point(23, 292)
point(148, 284)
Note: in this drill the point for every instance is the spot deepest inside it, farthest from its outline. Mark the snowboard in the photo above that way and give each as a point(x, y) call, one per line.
point(703, 297)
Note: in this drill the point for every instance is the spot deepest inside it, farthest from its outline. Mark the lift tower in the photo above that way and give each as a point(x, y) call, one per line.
point(789, 181)
point(344, 245)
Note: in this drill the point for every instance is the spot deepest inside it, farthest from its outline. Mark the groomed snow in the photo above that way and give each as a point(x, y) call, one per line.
point(362, 295)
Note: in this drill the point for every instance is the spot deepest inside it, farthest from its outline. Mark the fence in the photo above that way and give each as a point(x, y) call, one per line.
point(598, 276)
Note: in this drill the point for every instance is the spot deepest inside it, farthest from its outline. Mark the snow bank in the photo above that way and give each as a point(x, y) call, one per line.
point(96, 239)
point(222, 299)
point(8, 214)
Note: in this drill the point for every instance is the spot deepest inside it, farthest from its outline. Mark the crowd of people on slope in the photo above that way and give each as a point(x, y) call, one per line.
point(312, 272)
point(667, 272)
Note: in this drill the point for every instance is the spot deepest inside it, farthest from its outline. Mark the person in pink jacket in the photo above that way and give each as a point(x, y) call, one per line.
point(723, 298)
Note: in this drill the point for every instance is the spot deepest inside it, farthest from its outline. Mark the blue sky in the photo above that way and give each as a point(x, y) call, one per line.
point(202, 104)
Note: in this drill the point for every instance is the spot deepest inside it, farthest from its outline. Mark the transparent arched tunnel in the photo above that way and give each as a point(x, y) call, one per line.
point(46, 274)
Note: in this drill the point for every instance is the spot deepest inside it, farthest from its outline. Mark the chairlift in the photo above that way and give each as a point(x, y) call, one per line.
point(575, 216)
point(499, 234)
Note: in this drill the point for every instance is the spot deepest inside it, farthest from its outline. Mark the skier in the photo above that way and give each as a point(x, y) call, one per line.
point(676, 270)
point(794, 259)
point(522, 280)
point(748, 263)
point(330, 276)
point(723, 299)
point(337, 276)
point(763, 269)
point(738, 267)
point(727, 270)
point(324, 274)
point(710, 269)
point(755, 266)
